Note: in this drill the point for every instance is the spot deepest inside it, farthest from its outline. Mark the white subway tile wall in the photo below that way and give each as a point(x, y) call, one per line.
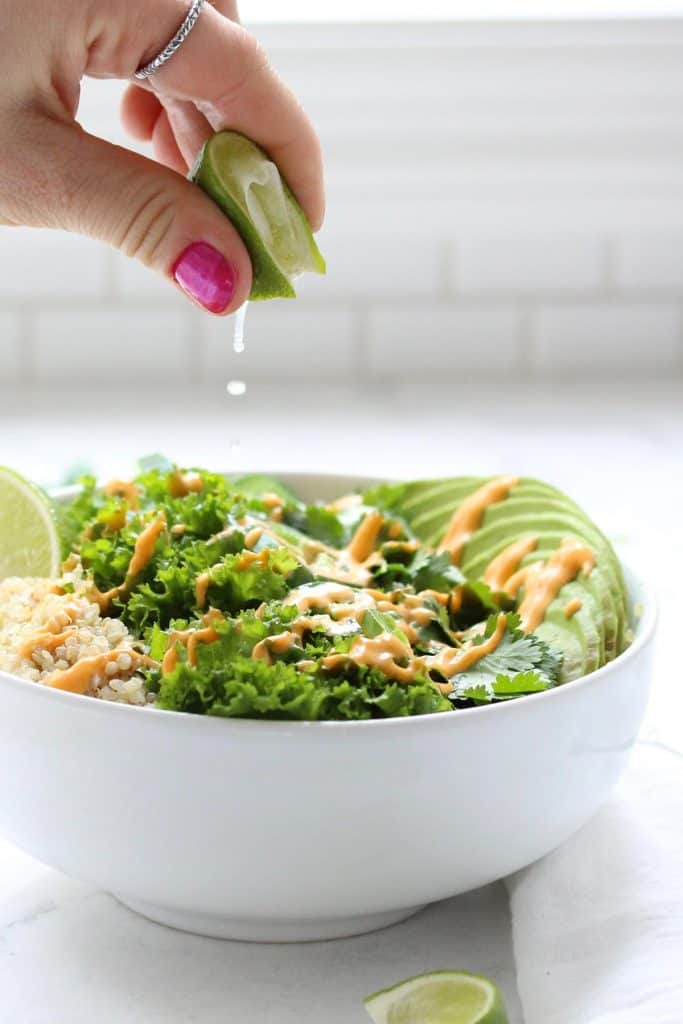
point(502, 198)
point(110, 345)
point(10, 349)
point(443, 342)
point(623, 339)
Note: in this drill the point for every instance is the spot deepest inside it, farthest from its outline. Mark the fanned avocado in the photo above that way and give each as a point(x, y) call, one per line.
point(597, 630)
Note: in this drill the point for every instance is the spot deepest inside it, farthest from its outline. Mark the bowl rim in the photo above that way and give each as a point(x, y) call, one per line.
point(645, 627)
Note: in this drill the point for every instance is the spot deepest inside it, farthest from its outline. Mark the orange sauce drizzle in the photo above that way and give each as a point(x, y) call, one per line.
point(48, 641)
point(468, 517)
point(382, 652)
point(182, 484)
point(277, 644)
point(543, 582)
point(190, 638)
point(504, 565)
point(126, 489)
point(452, 662)
point(79, 677)
point(364, 539)
point(572, 607)
point(202, 584)
point(249, 558)
point(253, 536)
point(322, 595)
point(145, 544)
point(142, 555)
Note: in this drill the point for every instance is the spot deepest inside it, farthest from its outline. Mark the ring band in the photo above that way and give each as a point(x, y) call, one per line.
point(174, 45)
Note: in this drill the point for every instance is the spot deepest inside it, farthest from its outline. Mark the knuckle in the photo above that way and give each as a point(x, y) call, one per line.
point(144, 232)
point(248, 63)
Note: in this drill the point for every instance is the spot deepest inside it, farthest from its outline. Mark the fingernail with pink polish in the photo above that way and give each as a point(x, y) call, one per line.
point(206, 276)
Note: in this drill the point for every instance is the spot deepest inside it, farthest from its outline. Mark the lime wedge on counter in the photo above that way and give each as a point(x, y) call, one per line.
point(249, 189)
point(29, 536)
point(442, 997)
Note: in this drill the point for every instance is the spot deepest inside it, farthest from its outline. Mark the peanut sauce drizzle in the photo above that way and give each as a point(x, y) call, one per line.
point(142, 556)
point(281, 642)
point(201, 586)
point(182, 484)
point(80, 676)
point(572, 607)
point(504, 565)
point(245, 561)
point(453, 662)
point(543, 582)
point(249, 558)
point(352, 564)
point(126, 489)
point(365, 538)
point(468, 517)
point(253, 536)
point(382, 652)
point(190, 638)
point(47, 641)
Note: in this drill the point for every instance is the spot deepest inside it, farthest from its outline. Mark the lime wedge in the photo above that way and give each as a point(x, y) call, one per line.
point(29, 536)
point(249, 189)
point(442, 997)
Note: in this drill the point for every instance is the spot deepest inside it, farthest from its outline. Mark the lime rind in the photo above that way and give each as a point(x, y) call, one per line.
point(400, 1003)
point(29, 533)
point(250, 190)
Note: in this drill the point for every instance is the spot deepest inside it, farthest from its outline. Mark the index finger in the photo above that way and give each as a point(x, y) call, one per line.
point(222, 69)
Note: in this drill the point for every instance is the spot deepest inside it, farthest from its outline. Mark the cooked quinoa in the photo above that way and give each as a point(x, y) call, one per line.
point(44, 632)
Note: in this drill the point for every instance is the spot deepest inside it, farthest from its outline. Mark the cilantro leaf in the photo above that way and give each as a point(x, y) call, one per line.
point(432, 571)
point(520, 664)
point(375, 622)
point(317, 522)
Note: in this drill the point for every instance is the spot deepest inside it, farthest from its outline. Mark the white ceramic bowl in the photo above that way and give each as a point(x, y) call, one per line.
point(279, 831)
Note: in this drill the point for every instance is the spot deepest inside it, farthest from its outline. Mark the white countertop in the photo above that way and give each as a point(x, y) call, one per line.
point(99, 961)
point(620, 454)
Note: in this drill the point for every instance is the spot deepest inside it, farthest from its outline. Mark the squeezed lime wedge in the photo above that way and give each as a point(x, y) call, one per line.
point(29, 535)
point(250, 190)
point(442, 997)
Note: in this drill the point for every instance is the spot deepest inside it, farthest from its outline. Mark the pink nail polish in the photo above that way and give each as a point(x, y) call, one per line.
point(206, 276)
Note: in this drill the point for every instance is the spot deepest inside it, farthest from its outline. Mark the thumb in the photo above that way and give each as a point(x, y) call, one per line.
point(152, 214)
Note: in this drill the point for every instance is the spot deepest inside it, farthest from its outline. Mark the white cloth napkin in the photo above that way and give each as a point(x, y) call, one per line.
point(598, 923)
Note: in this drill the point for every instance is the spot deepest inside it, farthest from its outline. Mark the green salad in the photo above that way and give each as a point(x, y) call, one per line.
point(239, 599)
point(376, 605)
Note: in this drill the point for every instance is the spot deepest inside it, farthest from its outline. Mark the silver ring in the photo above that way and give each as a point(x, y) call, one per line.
point(174, 45)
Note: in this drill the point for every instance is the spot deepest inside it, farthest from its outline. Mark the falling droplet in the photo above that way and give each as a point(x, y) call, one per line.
point(238, 337)
point(236, 388)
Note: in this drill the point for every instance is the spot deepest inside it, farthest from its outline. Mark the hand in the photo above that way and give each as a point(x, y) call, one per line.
point(54, 174)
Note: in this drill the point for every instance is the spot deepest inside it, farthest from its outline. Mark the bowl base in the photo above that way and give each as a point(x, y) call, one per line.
point(263, 929)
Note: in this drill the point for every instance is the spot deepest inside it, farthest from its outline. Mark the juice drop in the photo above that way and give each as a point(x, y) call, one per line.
point(238, 337)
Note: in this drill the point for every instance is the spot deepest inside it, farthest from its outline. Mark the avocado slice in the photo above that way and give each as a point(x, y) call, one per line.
point(551, 529)
point(598, 631)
